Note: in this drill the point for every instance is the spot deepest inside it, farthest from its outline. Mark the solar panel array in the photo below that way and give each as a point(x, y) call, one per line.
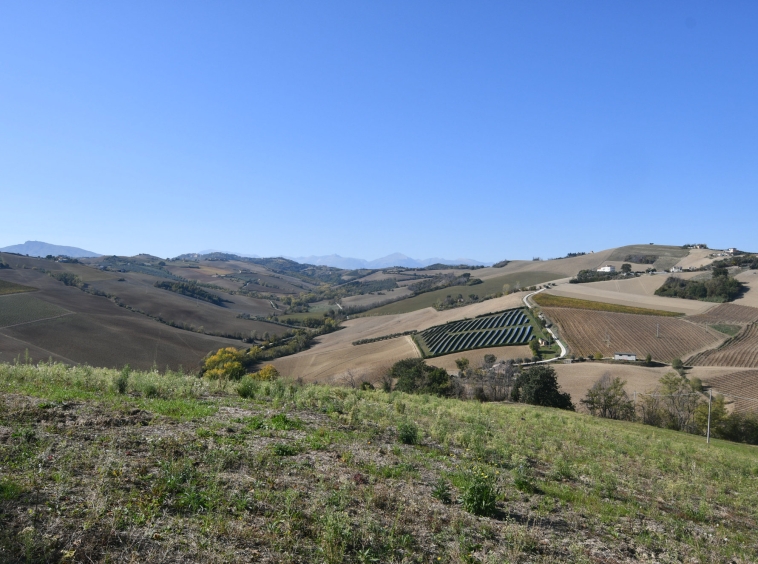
point(510, 327)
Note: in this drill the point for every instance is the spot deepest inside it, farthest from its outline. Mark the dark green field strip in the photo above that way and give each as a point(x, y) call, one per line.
point(24, 308)
point(13, 288)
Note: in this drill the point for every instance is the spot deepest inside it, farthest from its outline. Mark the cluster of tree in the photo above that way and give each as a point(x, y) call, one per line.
point(591, 275)
point(501, 264)
point(4, 264)
point(695, 246)
point(232, 364)
point(68, 278)
point(300, 303)
point(443, 281)
point(743, 260)
point(676, 403)
point(641, 259)
point(191, 289)
point(720, 288)
point(537, 385)
point(384, 337)
point(414, 376)
point(450, 301)
point(572, 255)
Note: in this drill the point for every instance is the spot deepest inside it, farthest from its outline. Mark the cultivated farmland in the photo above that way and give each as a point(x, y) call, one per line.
point(11, 288)
point(510, 327)
point(489, 286)
point(665, 338)
point(743, 384)
point(741, 350)
point(550, 300)
point(727, 313)
point(23, 308)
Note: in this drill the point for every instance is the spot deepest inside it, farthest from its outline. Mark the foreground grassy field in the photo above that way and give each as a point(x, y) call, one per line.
point(176, 469)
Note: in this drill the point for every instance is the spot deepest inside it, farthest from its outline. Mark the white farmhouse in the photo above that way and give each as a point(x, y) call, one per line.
point(607, 268)
point(625, 356)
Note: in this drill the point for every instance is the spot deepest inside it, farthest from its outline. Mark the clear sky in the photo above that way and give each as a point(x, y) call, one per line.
point(486, 130)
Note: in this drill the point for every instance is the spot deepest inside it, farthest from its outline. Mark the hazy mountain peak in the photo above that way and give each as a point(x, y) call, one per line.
point(42, 249)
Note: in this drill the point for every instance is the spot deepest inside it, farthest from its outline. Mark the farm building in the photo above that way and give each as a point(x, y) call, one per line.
point(676, 269)
point(607, 268)
point(624, 356)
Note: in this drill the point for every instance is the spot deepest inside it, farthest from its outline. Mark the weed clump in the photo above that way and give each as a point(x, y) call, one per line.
point(441, 491)
point(480, 494)
point(407, 433)
point(122, 380)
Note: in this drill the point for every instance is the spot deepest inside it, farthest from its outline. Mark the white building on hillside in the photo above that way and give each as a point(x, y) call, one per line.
point(607, 268)
point(625, 356)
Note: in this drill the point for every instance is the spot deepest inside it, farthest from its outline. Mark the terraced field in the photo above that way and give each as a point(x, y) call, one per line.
point(741, 350)
point(665, 338)
point(23, 308)
point(727, 313)
point(743, 384)
point(511, 327)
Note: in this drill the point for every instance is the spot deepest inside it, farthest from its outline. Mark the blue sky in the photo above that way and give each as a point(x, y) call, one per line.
point(487, 130)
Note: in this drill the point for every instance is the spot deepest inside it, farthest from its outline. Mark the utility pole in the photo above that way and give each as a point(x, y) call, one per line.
point(708, 432)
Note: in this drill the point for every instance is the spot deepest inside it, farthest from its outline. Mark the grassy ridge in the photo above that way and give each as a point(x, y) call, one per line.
point(12, 288)
point(549, 300)
point(490, 286)
point(178, 468)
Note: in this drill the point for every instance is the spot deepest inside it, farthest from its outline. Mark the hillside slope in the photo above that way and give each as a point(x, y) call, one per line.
point(180, 470)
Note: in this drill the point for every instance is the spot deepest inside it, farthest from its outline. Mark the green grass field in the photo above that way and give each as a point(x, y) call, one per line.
point(549, 300)
point(188, 471)
point(23, 308)
point(491, 286)
point(11, 288)
point(727, 329)
point(668, 255)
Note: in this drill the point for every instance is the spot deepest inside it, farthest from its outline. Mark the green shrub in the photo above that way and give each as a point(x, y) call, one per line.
point(480, 494)
point(407, 433)
point(122, 380)
point(283, 449)
point(441, 491)
point(247, 387)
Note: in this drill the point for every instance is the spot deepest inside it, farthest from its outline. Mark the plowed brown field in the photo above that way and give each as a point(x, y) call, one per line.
point(727, 313)
point(589, 332)
point(743, 385)
point(741, 350)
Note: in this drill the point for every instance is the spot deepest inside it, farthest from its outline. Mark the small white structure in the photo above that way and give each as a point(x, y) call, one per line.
point(607, 268)
point(625, 356)
point(731, 250)
point(676, 269)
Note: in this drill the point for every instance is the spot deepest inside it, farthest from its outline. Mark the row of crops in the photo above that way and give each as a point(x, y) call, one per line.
point(510, 327)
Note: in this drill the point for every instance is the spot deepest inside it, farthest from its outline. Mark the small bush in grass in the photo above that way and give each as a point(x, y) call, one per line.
point(441, 491)
point(9, 490)
point(480, 494)
point(283, 449)
point(522, 480)
point(266, 374)
point(407, 433)
point(247, 387)
point(122, 380)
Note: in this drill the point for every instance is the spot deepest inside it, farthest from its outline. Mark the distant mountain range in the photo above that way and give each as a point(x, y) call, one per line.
point(348, 263)
point(41, 249)
point(395, 259)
